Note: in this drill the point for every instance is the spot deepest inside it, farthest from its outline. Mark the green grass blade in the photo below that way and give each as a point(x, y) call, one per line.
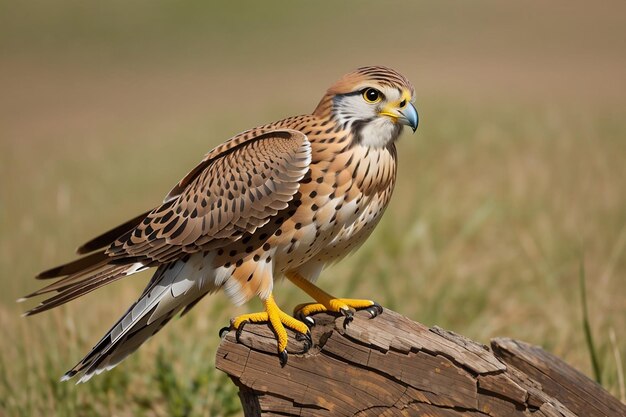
point(593, 354)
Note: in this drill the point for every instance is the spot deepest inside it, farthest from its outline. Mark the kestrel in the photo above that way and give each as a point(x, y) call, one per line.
point(280, 200)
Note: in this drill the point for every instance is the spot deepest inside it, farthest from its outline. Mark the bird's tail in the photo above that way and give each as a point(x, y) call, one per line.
point(169, 291)
point(80, 277)
point(90, 272)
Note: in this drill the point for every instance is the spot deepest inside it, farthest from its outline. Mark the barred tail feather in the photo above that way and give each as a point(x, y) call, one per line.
point(81, 283)
point(88, 262)
point(171, 290)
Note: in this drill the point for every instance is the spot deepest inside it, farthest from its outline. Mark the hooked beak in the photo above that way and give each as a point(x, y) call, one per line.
point(406, 116)
point(409, 116)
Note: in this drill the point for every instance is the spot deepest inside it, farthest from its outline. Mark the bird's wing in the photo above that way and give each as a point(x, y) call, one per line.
point(236, 189)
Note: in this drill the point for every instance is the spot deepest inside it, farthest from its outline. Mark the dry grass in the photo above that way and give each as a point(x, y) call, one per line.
point(515, 177)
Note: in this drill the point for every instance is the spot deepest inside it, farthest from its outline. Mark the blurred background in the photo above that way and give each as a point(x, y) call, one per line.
point(514, 183)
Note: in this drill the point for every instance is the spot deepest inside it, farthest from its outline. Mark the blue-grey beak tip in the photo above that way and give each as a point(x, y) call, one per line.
point(411, 118)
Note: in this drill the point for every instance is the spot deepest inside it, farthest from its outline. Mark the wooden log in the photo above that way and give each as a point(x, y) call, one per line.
point(392, 366)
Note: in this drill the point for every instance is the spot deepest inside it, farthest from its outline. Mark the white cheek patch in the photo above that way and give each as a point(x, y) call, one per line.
point(378, 133)
point(348, 109)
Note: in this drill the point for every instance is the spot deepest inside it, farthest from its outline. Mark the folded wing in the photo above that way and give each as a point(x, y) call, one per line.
point(237, 188)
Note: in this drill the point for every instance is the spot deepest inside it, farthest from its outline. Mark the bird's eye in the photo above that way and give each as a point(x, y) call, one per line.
point(372, 95)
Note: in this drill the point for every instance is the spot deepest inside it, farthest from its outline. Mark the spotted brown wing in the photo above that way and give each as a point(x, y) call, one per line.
point(233, 191)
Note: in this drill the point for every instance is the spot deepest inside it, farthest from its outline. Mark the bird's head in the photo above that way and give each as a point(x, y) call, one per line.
point(374, 102)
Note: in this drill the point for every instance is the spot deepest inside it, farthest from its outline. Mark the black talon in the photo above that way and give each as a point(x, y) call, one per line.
point(224, 331)
point(306, 338)
point(374, 310)
point(308, 320)
point(298, 315)
point(349, 316)
point(303, 336)
point(240, 330)
point(283, 357)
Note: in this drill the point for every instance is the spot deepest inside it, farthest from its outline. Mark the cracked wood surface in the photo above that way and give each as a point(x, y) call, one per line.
point(392, 366)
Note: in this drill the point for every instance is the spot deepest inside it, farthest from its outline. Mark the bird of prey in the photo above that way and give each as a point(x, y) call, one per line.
point(280, 200)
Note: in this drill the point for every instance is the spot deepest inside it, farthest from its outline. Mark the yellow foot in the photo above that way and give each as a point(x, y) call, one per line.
point(326, 302)
point(278, 320)
point(344, 306)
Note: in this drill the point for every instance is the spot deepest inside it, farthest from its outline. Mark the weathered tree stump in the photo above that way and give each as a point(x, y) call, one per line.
point(392, 366)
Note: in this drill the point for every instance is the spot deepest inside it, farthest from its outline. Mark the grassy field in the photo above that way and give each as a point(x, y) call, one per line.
point(515, 178)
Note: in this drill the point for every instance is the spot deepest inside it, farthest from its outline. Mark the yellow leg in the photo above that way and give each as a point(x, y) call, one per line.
point(278, 320)
point(326, 302)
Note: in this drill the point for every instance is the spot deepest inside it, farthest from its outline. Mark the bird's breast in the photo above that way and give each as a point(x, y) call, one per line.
point(338, 204)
